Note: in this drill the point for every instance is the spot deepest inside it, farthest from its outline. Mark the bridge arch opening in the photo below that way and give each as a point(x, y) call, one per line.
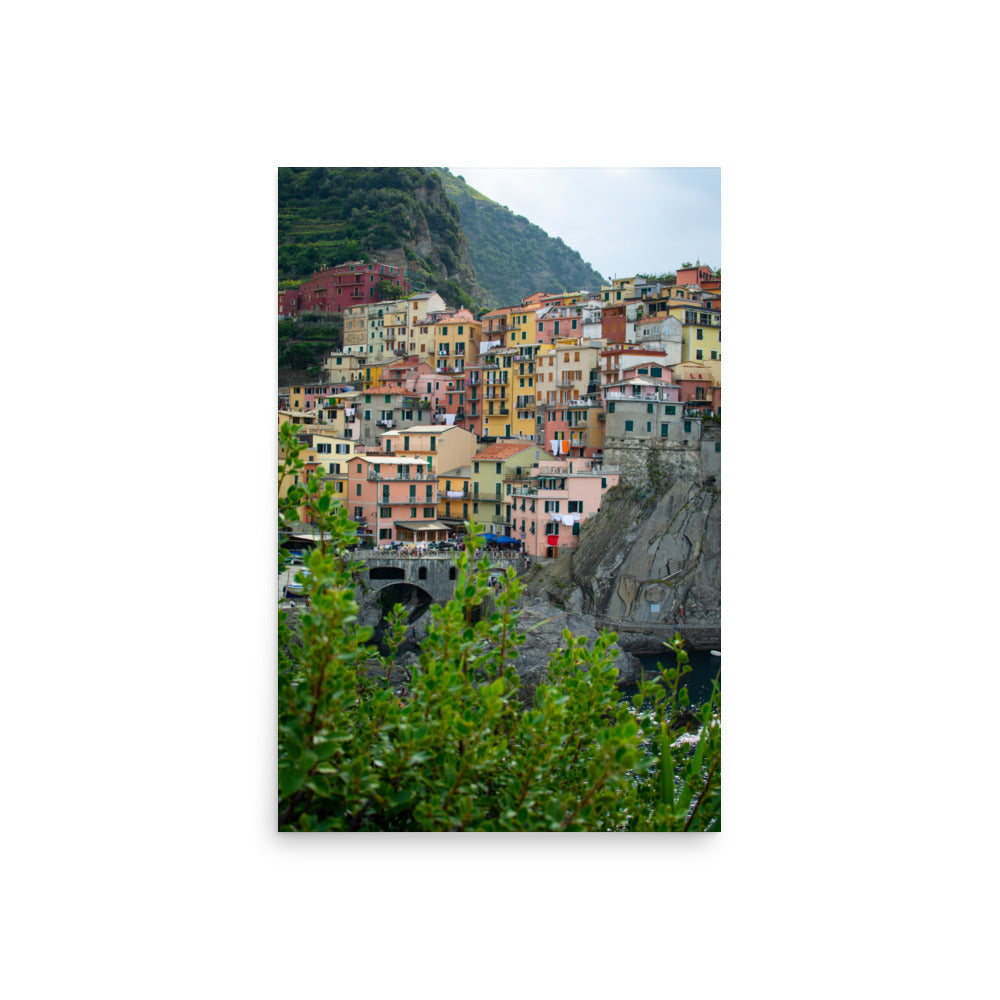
point(387, 573)
point(415, 600)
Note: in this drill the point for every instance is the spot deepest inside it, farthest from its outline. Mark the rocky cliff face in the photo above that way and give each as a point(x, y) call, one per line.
point(650, 562)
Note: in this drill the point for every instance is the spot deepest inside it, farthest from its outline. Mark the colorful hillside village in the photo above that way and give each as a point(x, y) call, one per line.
point(428, 417)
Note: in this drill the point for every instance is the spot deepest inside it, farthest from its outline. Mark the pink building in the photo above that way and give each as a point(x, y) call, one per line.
point(383, 490)
point(619, 358)
point(697, 386)
point(642, 387)
point(569, 321)
point(547, 508)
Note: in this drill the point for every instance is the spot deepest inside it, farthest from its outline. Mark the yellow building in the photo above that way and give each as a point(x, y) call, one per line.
point(619, 290)
point(562, 299)
point(455, 494)
point(323, 452)
point(371, 371)
point(523, 325)
point(496, 324)
point(701, 333)
point(508, 392)
point(456, 342)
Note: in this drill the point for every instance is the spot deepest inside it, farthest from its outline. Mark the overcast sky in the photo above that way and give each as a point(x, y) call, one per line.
point(621, 221)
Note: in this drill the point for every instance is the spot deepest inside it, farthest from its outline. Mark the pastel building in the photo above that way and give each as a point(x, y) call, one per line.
point(384, 492)
point(698, 384)
point(549, 504)
point(298, 418)
point(617, 358)
point(574, 429)
point(436, 447)
point(341, 368)
point(701, 333)
point(491, 467)
point(495, 324)
point(386, 407)
point(365, 327)
point(325, 453)
point(581, 320)
point(340, 415)
point(700, 275)
point(645, 409)
point(501, 393)
point(620, 290)
point(303, 397)
point(456, 341)
point(512, 326)
point(567, 412)
point(659, 333)
point(455, 505)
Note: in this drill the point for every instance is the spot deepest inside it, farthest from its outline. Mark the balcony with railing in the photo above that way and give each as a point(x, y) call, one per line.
point(699, 408)
point(375, 475)
point(648, 395)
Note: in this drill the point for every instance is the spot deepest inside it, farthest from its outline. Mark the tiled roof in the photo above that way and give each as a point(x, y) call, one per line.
point(501, 450)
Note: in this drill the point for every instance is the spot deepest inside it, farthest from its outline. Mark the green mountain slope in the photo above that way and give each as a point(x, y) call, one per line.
point(512, 256)
point(399, 215)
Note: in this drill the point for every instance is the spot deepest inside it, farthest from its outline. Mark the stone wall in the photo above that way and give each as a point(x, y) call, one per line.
point(649, 464)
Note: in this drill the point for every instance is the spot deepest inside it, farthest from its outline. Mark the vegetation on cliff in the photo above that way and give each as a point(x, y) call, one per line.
point(304, 343)
point(455, 750)
point(512, 256)
point(399, 215)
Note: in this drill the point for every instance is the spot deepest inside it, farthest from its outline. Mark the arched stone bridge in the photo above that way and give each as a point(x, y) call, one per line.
point(415, 581)
point(432, 573)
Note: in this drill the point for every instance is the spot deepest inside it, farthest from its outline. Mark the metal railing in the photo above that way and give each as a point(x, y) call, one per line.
point(417, 477)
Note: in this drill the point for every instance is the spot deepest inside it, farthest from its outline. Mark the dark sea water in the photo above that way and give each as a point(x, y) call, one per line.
point(705, 669)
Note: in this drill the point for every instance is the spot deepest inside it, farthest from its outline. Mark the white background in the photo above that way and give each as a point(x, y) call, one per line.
point(859, 213)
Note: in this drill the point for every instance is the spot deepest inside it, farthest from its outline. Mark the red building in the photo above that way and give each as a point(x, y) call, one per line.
point(613, 323)
point(334, 289)
point(700, 275)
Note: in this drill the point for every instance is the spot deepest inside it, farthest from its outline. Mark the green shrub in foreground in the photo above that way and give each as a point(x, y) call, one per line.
point(457, 751)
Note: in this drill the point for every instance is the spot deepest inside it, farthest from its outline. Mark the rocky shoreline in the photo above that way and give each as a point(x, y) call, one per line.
point(542, 623)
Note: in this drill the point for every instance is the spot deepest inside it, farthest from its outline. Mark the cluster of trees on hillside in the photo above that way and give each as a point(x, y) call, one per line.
point(304, 343)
